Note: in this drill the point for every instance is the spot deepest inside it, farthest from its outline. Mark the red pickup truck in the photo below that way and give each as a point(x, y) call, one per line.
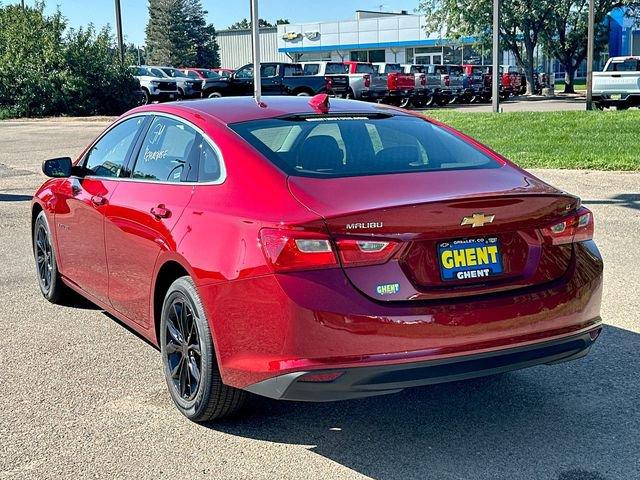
point(401, 85)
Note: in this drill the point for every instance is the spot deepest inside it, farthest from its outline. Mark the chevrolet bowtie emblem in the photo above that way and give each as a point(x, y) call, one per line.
point(477, 220)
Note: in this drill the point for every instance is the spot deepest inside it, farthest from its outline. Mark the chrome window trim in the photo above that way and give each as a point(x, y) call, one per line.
point(205, 137)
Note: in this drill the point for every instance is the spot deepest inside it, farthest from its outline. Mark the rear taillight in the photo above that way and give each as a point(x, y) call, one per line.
point(447, 81)
point(423, 79)
point(367, 80)
point(329, 83)
point(292, 250)
point(358, 252)
point(288, 250)
point(393, 81)
point(576, 228)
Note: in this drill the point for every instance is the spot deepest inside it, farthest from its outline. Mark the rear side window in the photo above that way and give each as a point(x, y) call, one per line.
point(311, 69)
point(109, 154)
point(630, 65)
point(291, 71)
point(327, 147)
point(167, 153)
point(336, 69)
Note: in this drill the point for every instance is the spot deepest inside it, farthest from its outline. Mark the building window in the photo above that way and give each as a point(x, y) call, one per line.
point(452, 55)
point(367, 56)
point(409, 55)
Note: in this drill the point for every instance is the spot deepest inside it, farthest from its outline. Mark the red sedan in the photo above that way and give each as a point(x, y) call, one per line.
point(306, 251)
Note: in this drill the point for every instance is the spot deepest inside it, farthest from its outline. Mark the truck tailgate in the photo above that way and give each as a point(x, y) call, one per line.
point(616, 82)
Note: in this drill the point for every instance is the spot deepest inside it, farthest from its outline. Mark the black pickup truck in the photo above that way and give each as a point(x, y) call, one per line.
point(277, 79)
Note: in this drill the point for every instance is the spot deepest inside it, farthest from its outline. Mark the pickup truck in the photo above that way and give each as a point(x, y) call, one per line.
point(451, 83)
point(365, 83)
point(400, 85)
point(509, 84)
point(155, 84)
point(326, 69)
point(427, 84)
point(619, 84)
point(277, 79)
point(475, 89)
point(187, 87)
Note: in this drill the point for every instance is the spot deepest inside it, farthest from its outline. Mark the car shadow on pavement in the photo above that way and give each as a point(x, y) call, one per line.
point(627, 200)
point(12, 197)
point(573, 421)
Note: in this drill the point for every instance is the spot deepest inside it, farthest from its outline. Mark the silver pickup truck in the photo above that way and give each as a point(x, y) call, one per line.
point(365, 83)
point(427, 84)
point(619, 84)
point(155, 84)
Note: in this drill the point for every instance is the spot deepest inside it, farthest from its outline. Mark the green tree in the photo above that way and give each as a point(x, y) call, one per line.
point(565, 35)
point(522, 24)
point(177, 34)
point(245, 24)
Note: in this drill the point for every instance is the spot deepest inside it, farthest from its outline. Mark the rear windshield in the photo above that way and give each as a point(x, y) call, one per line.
point(365, 68)
point(336, 69)
point(392, 68)
point(329, 147)
point(629, 65)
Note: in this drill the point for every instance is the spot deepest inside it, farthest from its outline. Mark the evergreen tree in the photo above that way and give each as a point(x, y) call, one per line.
point(179, 35)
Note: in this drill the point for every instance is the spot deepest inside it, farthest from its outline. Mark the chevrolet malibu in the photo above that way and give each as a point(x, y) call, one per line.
point(306, 250)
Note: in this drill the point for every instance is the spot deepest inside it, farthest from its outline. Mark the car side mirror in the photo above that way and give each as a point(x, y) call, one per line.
point(57, 167)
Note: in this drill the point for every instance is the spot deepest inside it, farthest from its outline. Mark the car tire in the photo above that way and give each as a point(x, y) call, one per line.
point(51, 285)
point(189, 360)
point(303, 94)
point(214, 95)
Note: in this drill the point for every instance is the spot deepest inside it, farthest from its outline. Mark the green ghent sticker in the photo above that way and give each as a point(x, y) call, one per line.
point(388, 289)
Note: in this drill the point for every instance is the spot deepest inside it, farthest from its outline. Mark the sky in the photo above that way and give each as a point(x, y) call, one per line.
point(222, 13)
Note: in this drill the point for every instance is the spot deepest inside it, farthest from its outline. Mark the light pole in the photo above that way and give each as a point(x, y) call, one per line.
point(590, 42)
point(255, 36)
point(495, 90)
point(119, 31)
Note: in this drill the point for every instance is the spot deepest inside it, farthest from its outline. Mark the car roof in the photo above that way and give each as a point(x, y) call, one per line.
point(241, 109)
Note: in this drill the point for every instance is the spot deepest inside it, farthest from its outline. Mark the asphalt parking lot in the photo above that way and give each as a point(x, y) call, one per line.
point(83, 397)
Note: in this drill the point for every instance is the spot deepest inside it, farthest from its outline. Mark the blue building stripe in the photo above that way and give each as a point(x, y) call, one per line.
point(356, 46)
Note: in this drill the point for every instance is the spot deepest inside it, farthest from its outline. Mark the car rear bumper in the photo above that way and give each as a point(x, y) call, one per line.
point(273, 325)
point(373, 94)
point(359, 382)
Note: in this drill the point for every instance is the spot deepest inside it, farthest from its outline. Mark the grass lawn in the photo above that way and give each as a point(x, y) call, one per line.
point(579, 85)
point(607, 140)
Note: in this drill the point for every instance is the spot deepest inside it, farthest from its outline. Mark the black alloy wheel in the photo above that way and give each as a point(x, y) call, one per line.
point(189, 359)
point(51, 286)
point(184, 353)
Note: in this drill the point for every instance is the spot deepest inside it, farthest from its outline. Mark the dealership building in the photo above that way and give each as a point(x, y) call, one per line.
point(387, 37)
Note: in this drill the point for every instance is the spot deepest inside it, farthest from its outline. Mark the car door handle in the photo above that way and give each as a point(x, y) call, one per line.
point(98, 200)
point(160, 211)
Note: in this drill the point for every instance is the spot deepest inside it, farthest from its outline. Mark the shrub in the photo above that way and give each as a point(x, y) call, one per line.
point(45, 72)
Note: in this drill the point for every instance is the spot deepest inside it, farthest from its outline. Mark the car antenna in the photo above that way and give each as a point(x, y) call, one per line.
point(255, 43)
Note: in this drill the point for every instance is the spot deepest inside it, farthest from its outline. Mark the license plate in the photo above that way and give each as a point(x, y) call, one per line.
point(616, 96)
point(473, 258)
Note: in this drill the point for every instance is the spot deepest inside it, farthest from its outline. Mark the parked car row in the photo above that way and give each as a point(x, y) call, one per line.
point(404, 85)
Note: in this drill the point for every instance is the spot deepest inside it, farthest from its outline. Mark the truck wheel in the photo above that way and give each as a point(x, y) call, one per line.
point(214, 95)
point(599, 105)
point(404, 103)
point(146, 98)
point(350, 95)
point(430, 101)
point(303, 93)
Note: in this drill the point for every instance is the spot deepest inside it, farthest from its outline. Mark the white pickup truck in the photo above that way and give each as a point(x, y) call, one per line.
point(619, 84)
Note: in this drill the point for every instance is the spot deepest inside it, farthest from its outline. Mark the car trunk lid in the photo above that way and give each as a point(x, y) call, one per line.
point(424, 211)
